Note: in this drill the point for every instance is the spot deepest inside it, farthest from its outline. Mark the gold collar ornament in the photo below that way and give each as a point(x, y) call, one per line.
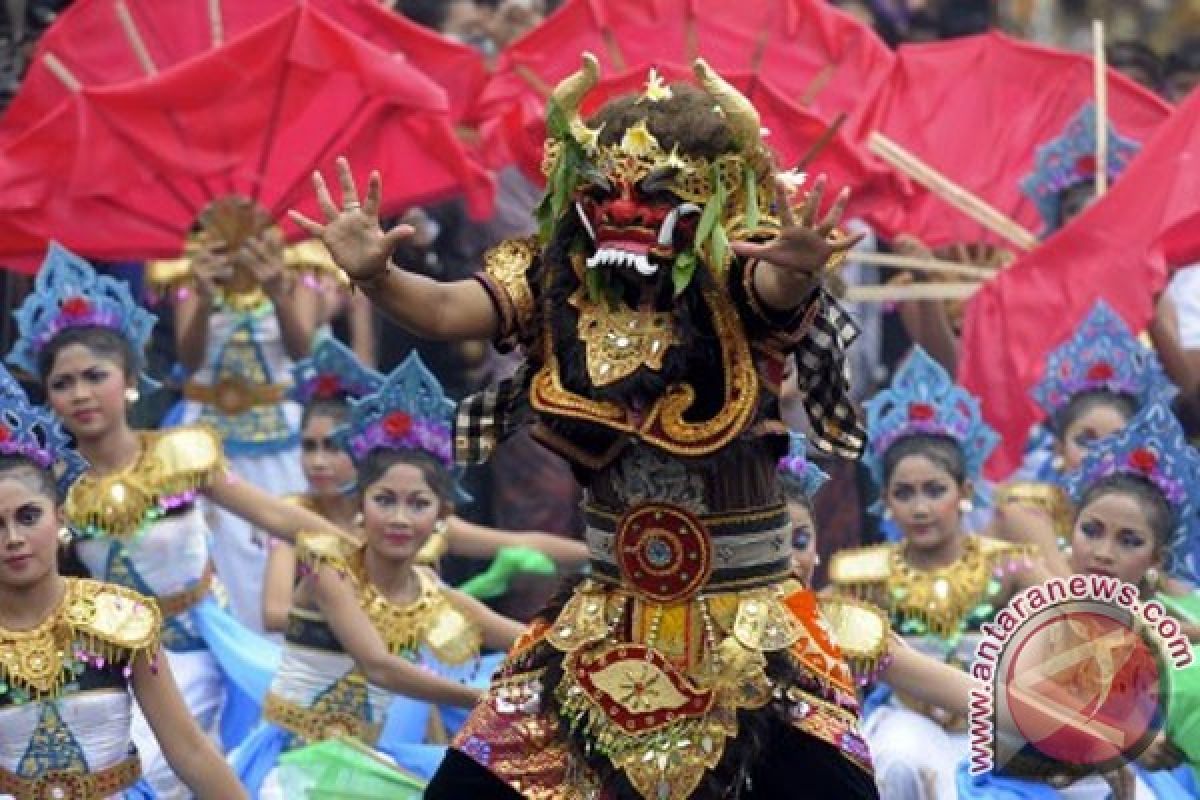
point(171, 468)
point(96, 624)
point(938, 601)
point(430, 622)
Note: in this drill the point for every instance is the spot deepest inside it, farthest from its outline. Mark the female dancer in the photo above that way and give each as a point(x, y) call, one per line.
point(367, 620)
point(74, 653)
point(667, 286)
point(1093, 384)
point(134, 512)
point(938, 584)
point(1137, 496)
point(325, 383)
point(245, 310)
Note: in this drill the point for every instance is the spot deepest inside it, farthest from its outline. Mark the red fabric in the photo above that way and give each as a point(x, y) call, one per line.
point(977, 109)
point(1119, 249)
point(811, 52)
point(122, 172)
point(877, 193)
point(89, 40)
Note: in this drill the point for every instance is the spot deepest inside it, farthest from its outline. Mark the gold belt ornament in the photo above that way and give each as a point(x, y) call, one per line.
point(233, 396)
point(172, 605)
point(70, 785)
point(313, 725)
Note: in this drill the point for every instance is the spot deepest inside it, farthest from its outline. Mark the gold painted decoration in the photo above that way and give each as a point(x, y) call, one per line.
point(665, 424)
point(430, 621)
point(95, 624)
point(649, 719)
point(619, 341)
point(508, 264)
point(173, 465)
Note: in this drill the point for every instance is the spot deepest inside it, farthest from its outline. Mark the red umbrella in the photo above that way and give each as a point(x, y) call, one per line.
point(1120, 249)
point(252, 118)
point(807, 51)
point(977, 109)
point(106, 42)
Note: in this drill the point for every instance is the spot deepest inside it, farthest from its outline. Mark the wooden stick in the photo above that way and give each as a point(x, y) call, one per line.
point(534, 81)
point(914, 291)
point(1099, 72)
point(216, 25)
point(817, 84)
point(129, 27)
point(973, 206)
point(935, 265)
point(61, 71)
point(821, 143)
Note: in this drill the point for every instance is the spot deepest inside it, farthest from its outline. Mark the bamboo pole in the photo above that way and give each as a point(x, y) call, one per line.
point(1100, 78)
point(934, 265)
point(216, 24)
point(908, 292)
point(134, 37)
point(973, 206)
point(61, 71)
point(821, 143)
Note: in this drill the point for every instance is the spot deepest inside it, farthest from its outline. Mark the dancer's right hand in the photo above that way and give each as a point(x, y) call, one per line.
point(352, 233)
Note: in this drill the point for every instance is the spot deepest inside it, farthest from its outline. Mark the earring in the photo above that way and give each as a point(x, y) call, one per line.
point(1057, 463)
point(966, 506)
point(1153, 578)
point(64, 536)
point(887, 513)
point(816, 561)
point(358, 520)
point(440, 526)
point(132, 395)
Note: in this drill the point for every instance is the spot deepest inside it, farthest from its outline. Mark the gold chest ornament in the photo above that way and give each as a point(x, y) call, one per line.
point(95, 624)
point(431, 621)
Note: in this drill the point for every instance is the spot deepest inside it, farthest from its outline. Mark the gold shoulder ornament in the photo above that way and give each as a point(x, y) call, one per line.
point(173, 466)
point(97, 624)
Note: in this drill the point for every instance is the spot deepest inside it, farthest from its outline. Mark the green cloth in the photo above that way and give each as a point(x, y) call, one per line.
point(509, 561)
point(1183, 705)
point(338, 770)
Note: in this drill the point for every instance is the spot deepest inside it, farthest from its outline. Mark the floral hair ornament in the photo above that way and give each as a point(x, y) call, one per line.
point(924, 399)
point(34, 433)
point(1102, 354)
point(1069, 161)
point(796, 472)
point(332, 372)
point(1153, 446)
point(68, 293)
point(409, 411)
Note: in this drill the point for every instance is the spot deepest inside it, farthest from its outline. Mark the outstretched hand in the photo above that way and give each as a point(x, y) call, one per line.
point(352, 233)
point(804, 245)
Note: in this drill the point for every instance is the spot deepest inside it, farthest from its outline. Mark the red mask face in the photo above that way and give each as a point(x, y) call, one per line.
point(637, 226)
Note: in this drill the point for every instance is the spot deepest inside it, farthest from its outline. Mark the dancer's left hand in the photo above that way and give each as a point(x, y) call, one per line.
point(804, 245)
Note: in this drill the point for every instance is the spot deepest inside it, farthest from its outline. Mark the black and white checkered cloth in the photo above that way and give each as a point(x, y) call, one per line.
point(487, 418)
point(824, 380)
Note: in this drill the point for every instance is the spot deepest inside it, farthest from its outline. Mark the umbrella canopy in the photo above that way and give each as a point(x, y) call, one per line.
point(123, 172)
point(1120, 249)
point(106, 42)
point(992, 113)
point(810, 53)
